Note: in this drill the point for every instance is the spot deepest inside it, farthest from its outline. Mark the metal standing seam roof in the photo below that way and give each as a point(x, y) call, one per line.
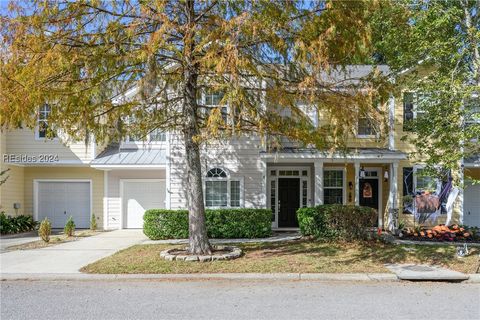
point(142, 156)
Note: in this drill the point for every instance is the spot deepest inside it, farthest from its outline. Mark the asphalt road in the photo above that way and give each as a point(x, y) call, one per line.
point(230, 299)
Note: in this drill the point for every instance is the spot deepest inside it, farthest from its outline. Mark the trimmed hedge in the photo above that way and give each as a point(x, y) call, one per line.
point(221, 223)
point(336, 221)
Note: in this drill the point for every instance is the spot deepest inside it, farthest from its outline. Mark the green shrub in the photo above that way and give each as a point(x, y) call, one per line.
point(165, 224)
point(45, 230)
point(69, 229)
point(221, 223)
point(239, 223)
point(16, 224)
point(313, 221)
point(93, 222)
point(336, 221)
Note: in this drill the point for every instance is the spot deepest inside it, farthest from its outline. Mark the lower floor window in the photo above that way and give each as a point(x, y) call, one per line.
point(222, 193)
point(333, 186)
point(333, 196)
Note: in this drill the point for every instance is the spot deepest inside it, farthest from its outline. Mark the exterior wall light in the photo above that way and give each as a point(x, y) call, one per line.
point(362, 173)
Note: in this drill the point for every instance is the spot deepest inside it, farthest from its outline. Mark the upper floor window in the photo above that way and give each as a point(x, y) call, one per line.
point(42, 122)
point(155, 136)
point(213, 98)
point(221, 190)
point(413, 108)
point(365, 128)
point(472, 110)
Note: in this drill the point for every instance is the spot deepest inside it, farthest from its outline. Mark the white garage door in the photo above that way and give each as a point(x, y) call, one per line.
point(59, 200)
point(141, 195)
point(471, 205)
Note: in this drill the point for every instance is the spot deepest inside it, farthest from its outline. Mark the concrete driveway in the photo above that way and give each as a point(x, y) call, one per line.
point(71, 256)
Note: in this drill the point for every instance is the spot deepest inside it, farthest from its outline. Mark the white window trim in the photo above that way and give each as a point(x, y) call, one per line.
point(229, 179)
point(147, 143)
point(214, 106)
point(415, 109)
point(344, 182)
point(37, 130)
point(415, 175)
point(365, 136)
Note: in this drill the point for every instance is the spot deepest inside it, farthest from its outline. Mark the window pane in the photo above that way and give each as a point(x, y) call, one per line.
point(332, 196)
point(157, 135)
point(304, 193)
point(365, 127)
point(425, 183)
point(273, 200)
point(234, 193)
point(216, 173)
point(216, 193)
point(408, 100)
point(213, 98)
point(333, 178)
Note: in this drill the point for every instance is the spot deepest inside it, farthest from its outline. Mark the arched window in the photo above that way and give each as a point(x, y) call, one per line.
point(216, 173)
point(221, 190)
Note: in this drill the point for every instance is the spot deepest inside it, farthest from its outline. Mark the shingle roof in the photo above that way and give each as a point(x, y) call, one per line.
point(112, 155)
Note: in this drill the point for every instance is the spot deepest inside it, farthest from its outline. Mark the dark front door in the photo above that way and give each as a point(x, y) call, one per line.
point(369, 193)
point(289, 198)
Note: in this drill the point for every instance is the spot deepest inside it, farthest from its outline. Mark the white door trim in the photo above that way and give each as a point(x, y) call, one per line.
point(275, 178)
point(122, 181)
point(35, 193)
point(379, 177)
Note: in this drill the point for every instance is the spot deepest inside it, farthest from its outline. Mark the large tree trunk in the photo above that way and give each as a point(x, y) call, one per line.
point(197, 239)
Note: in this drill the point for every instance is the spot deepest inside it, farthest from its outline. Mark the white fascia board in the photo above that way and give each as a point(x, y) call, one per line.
point(333, 157)
point(63, 163)
point(122, 166)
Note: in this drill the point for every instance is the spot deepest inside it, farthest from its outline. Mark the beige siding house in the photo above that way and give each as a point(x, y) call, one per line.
point(117, 183)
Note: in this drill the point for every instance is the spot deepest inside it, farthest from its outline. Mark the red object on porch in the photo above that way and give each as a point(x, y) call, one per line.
point(379, 231)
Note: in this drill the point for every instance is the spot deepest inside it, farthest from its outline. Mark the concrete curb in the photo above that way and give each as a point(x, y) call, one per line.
point(364, 277)
point(373, 277)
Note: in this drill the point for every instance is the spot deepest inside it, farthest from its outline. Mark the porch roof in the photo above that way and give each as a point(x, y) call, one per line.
point(364, 154)
point(114, 156)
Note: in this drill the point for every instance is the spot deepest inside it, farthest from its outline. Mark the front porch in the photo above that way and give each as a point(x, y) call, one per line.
point(304, 178)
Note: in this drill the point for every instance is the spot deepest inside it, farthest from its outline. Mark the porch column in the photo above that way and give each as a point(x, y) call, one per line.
point(392, 198)
point(318, 183)
point(357, 183)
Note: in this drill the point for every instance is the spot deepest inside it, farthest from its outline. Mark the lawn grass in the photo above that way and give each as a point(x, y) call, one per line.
point(283, 257)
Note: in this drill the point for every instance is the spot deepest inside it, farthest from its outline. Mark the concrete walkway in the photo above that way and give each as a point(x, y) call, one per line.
point(420, 272)
point(71, 256)
point(6, 241)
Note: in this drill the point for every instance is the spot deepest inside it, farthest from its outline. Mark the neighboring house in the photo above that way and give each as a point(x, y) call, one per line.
point(119, 182)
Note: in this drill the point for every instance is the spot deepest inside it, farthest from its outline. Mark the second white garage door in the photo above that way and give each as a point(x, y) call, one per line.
point(471, 205)
point(139, 196)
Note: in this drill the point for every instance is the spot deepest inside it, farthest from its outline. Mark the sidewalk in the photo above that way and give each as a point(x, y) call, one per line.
point(68, 258)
